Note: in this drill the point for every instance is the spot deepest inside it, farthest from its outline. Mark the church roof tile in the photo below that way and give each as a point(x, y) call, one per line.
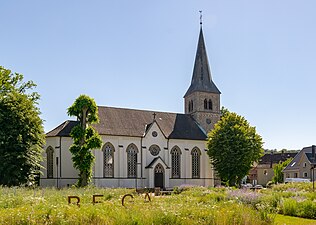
point(133, 122)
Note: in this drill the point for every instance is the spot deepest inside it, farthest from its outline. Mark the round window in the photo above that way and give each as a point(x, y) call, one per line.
point(154, 134)
point(208, 121)
point(154, 150)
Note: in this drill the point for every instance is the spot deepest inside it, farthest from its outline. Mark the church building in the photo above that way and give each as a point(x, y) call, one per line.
point(145, 148)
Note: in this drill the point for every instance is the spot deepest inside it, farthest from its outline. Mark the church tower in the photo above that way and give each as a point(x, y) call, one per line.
point(202, 99)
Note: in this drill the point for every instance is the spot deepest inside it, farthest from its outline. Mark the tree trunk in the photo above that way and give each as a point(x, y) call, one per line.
point(83, 123)
point(84, 179)
point(83, 174)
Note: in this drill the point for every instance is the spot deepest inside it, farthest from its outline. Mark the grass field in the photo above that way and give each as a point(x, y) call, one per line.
point(190, 206)
point(290, 220)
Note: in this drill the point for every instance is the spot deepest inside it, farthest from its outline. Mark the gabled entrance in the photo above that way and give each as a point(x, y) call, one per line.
point(159, 176)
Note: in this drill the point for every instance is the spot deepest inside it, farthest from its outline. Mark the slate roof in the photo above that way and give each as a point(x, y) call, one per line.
point(63, 130)
point(310, 158)
point(201, 78)
point(276, 157)
point(294, 164)
point(133, 122)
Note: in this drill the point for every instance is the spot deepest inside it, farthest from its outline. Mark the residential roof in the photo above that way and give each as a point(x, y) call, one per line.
point(201, 78)
point(276, 157)
point(294, 164)
point(133, 122)
point(310, 157)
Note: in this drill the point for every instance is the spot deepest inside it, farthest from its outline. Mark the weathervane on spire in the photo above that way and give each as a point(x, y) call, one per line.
point(200, 17)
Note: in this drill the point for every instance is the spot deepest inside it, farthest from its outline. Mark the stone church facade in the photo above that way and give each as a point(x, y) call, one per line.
point(145, 148)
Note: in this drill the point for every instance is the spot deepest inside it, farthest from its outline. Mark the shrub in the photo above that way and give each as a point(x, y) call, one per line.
point(307, 209)
point(289, 207)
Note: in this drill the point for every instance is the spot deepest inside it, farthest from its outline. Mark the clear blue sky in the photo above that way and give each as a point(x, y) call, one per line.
point(139, 54)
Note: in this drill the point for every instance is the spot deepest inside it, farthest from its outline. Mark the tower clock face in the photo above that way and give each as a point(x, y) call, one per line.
point(208, 121)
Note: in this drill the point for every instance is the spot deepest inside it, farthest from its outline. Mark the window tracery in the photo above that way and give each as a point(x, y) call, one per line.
point(154, 150)
point(159, 168)
point(196, 163)
point(132, 160)
point(175, 162)
point(108, 159)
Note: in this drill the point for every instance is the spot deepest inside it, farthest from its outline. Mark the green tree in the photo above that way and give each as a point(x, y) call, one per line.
point(21, 130)
point(278, 174)
point(84, 136)
point(233, 146)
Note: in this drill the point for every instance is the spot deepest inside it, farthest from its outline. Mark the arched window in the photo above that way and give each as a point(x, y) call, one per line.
point(108, 159)
point(196, 153)
point(159, 168)
point(210, 104)
point(205, 104)
point(132, 160)
point(191, 105)
point(175, 162)
point(50, 162)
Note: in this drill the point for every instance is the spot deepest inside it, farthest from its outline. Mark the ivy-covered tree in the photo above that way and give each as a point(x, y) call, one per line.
point(277, 170)
point(85, 137)
point(233, 146)
point(21, 130)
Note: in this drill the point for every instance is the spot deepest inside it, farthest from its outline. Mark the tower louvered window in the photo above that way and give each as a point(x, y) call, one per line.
point(210, 104)
point(190, 105)
point(205, 104)
point(108, 157)
point(175, 162)
point(132, 161)
point(196, 163)
point(50, 162)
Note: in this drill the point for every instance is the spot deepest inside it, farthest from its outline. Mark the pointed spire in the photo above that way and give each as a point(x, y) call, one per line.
point(201, 78)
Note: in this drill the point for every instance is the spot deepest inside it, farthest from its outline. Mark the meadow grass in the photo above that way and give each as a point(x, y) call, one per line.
point(196, 205)
point(193, 206)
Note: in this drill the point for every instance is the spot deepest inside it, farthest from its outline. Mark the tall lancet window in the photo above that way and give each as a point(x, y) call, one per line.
point(50, 162)
point(205, 104)
point(132, 160)
point(175, 162)
point(210, 104)
point(196, 154)
point(108, 160)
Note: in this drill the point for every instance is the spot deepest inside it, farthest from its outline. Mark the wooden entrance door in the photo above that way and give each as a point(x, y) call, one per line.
point(159, 176)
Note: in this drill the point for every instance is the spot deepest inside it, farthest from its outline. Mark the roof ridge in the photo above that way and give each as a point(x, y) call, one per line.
point(144, 110)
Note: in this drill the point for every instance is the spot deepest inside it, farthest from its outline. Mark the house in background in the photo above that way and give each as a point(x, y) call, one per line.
point(262, 172)
point(145, 148)
point(302, 164)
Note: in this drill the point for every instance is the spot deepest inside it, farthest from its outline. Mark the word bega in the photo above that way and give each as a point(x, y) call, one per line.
point(94, 201)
